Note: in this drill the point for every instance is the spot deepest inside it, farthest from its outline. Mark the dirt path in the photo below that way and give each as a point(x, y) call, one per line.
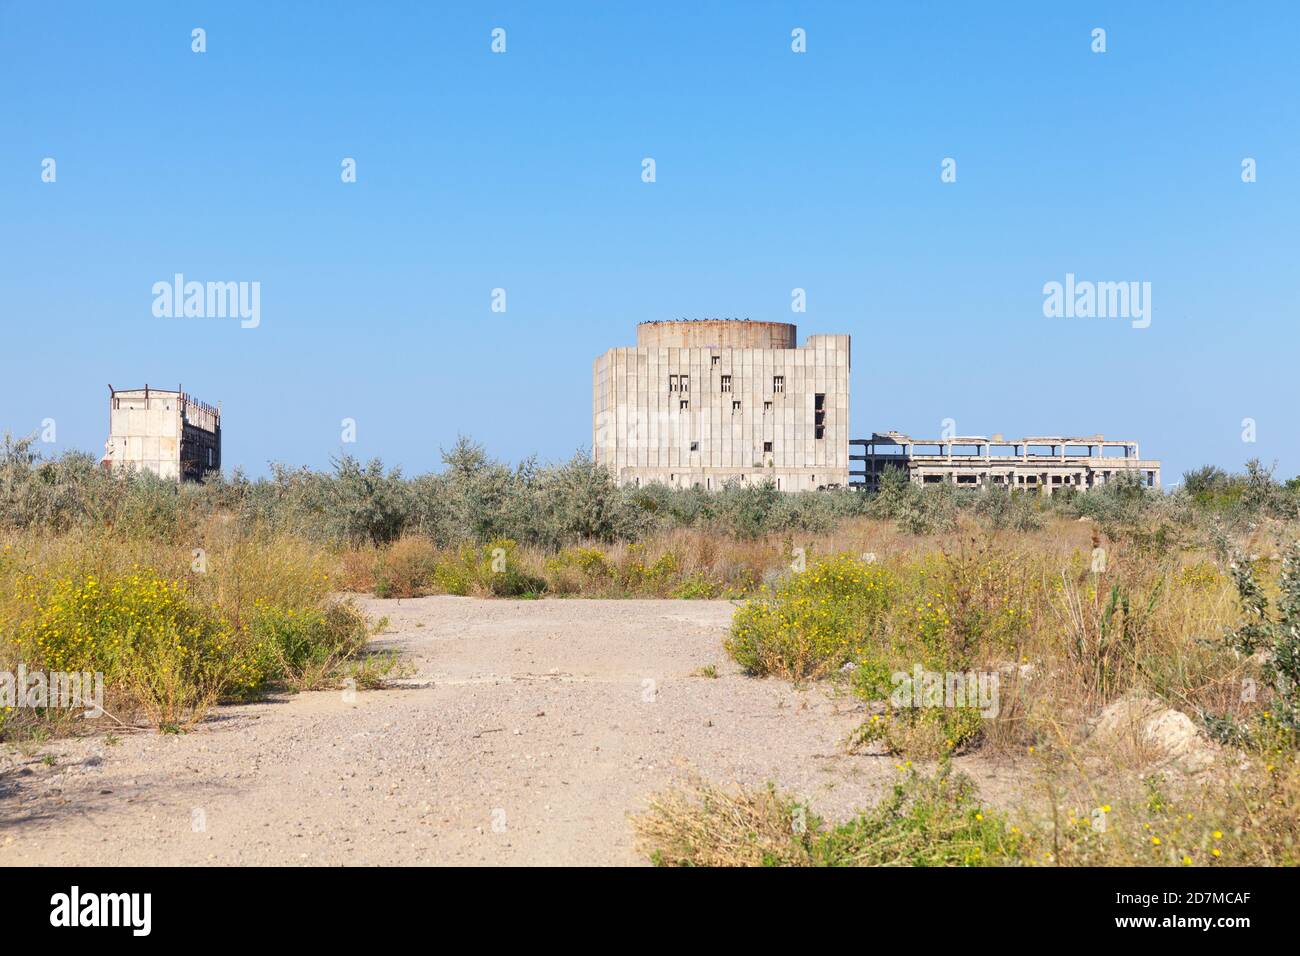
point(526, 734)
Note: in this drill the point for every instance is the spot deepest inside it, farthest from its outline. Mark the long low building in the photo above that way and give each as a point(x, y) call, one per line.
point(1043, 463)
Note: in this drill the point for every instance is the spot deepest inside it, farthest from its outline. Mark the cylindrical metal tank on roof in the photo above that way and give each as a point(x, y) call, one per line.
point(716, 333)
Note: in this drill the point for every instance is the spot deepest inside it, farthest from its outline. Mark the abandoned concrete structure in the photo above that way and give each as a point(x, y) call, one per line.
point(706, 402)
point(166, 432)
point(1044, 464)
point(711, 401)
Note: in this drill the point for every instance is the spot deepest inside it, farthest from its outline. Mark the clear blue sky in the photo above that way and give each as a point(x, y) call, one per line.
point(775, 170)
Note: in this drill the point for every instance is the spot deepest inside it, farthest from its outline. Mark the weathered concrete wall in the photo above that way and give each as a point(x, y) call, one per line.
point(716, 333)
point(162, 431)
point(743, 414)
point(144, 432)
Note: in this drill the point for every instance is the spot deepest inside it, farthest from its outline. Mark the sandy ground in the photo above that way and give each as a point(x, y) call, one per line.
point(526, 733)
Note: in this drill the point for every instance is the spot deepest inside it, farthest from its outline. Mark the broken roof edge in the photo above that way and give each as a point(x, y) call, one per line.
point(898, 438)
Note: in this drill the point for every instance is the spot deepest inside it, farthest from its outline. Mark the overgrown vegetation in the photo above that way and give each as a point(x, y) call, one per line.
point(173, 626)
point(933, 820)
point(1071, 604)
point(1250, 817)
point(475, 499)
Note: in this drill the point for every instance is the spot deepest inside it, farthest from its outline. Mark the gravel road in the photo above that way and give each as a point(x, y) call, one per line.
point(526, 733)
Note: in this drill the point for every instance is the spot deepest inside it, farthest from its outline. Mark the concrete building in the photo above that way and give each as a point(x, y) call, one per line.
point(707, 402)
point(166, 432)
point(1043, 464)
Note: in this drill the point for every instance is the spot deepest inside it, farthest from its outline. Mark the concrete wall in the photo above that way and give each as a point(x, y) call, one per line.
point(716, 333)
point(162, 431)
point(144, 432)
point(748, 433)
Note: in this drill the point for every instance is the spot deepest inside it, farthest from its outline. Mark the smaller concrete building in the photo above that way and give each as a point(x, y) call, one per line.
point(1045, 463)
point(169, 433)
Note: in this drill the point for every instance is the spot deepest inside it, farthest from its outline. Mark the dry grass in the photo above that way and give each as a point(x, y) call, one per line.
point(676, 563)
point(1072, 621)
point(1247, 814)
point(173, 625)
point(926, 820)
point(703, 825)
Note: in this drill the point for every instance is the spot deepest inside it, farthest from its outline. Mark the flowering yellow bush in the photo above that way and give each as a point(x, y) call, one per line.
point(1200, 576)
point(153, 643)
point(578, 569)
point(301, 646)
point(815, 620)
point(83, 623)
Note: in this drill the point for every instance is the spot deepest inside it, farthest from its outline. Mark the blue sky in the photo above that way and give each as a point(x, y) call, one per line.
point(775, 170)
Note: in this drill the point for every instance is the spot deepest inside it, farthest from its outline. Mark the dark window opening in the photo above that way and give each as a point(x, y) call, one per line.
point(726, 383)
point(819, 415)
point(767, 446)
point(778, 383)
point(695, 446)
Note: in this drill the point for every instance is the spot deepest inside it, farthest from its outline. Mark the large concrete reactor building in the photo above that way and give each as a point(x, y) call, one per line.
point(166, 432)
point(707, 402)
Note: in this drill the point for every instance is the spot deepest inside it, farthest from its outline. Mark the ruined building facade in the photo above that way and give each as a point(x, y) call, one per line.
point(1045, 464)
point(166, 432)
point(708, 402)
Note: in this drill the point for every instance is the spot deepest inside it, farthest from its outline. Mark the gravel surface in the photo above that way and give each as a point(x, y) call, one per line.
point(525, 733)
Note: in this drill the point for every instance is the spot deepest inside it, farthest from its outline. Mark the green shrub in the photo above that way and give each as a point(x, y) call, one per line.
point(458, 573)
point(163, 651)
point(923, 731)
point(925, 821)
point(576, 569)
point(814, 621)
point(304, 646)
point(1008, 510)
point(492, 568)
point(1276, 633)
point(146, 635)
point(514, 582)
point(696, 588)
point(653, 578)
